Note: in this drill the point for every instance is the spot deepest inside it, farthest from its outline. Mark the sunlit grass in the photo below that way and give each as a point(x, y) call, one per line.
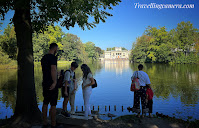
point(64, 63)
point(11, 65)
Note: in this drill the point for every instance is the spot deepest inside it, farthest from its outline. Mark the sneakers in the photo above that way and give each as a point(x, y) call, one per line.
point(66, 114)
point(72, 112)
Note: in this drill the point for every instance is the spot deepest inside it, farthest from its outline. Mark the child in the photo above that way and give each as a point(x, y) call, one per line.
point(149, 99)
point(69, 88)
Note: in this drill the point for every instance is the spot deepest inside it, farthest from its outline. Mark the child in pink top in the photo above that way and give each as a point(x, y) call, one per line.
point(149, 100)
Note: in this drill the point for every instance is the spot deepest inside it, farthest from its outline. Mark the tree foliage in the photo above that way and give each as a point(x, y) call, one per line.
point(8, 42)
point(4, 57)
point(113, 48)
point(90, 48)
point(42, 41)
point(73, 48)
point(157, 45)
point(70, 45)
point(69, 12)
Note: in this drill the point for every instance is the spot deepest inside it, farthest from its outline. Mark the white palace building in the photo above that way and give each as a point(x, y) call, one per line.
point(118, 53)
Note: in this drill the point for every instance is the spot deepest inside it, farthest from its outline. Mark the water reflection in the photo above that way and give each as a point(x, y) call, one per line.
point(175, 87)
point(177, 80)
point(116, 65)
point(7, 92)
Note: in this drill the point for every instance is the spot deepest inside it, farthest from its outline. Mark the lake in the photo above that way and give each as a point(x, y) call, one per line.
point(175, 88)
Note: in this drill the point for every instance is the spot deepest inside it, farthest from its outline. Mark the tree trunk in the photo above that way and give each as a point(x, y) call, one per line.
point(26, 103)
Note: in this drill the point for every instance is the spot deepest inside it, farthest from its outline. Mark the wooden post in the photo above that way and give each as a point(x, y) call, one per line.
point(98, 108)
point(122, 108)
point(105, 108)
point(82, 108)
point(76, 108)
point(109, 108)
point(115, 107)
point(93, 108)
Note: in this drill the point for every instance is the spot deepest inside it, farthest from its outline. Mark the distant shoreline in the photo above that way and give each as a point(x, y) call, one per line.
point(13, 64)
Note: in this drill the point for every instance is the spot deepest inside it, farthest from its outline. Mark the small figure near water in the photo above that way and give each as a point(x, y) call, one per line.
point(149, 99)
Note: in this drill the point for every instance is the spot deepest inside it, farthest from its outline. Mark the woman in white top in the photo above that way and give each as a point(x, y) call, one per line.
point(144, 81)
point(88, 81)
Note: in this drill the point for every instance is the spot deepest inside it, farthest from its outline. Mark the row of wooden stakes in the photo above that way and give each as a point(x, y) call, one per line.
point(98, 109)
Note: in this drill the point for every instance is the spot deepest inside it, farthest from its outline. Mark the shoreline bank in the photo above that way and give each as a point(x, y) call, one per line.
point(127, 121)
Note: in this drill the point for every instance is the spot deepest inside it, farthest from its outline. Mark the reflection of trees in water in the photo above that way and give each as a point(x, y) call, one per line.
point(187, 75)
point(178, 80)
point(8, 87)
point(8, 83)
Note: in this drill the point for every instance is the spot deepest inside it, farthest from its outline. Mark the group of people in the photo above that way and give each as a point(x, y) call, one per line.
point(70, 86)
point(50, 88)
point(145, 93)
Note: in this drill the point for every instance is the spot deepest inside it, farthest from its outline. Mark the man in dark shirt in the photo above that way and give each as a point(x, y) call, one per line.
point(50, 90)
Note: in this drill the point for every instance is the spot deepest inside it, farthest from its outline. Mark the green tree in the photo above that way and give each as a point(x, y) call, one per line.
point(73, 48)
point(196, 40)
point(91, 50)
point(42, 41)
point(124, 48)
point(8, 42)
point(32, 15)
point(164, 52)
point(4, 57)
point(157, 45)
point(113, 48)
point(186, 39)
point(139, 51)
point(99, 50)
point(108, 49)
point(185, 32)
point(40, 45)
point(159, 40)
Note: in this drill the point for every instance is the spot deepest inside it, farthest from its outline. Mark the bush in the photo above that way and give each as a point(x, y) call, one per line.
point(4, 58)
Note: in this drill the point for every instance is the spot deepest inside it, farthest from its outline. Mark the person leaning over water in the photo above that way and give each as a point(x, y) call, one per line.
point(69, 88)
point(88, 81)
point(144, 81)
point(50, 90)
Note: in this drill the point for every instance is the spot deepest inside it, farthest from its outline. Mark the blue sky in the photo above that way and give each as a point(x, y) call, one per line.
point(128, 22)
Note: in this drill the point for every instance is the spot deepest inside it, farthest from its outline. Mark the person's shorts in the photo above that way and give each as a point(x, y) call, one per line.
point(50, 96)
point(63, 90)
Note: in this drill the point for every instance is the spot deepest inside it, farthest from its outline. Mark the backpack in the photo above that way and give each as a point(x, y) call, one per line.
point(135, 85)
point(60, 81)
point(95, 84)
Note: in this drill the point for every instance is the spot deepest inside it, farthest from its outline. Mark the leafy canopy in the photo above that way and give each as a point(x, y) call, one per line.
point(68, 12)
point(157, 45)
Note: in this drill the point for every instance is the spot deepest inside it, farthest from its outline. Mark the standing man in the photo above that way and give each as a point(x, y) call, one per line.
point(50, 90)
